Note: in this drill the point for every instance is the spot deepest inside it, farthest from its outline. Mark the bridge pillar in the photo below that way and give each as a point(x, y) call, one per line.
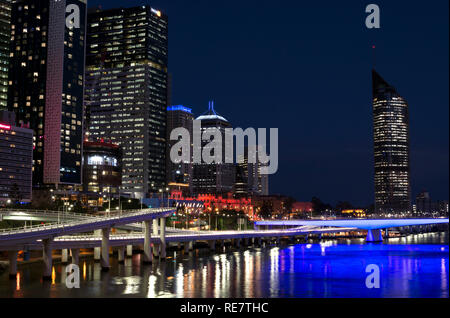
point(374, 236)
point(47, 256)
point(105, 249)
point(386, 233)
point(129, 250)
point(97, 250)
point(163, 237)
point(148, 257)
point(75, 255)
point(121, 255)
point(212, 245)
point(186, 247)
point(155, 233)
point(191, 245)
point(222, 244)
point(64, 256)
point(238, 242)
point(12, 256)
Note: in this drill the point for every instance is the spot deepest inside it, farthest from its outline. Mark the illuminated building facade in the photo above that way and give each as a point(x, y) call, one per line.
point(213, 178)
point(126, 91)
point(102, 167)
point(16, 155)
point(46, 86)
point(179, 117)
point(215, 203)
point(391, 148)
point(358, 213)
point(5, 37)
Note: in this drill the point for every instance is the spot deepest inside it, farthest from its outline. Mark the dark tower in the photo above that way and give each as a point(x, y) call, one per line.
point(126, 91)
point(391, 148)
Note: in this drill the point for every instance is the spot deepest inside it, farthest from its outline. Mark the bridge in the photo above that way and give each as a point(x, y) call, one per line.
point(74, 231)
point(47, 233)
point(373, 226)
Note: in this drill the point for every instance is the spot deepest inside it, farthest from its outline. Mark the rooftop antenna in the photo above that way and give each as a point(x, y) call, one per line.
point(374, 56)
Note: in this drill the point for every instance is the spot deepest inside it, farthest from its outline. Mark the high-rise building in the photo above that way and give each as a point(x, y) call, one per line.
point(5, 37)
point(423, 203)
point(253, 181)
point(46, 85)
point(391, 148)
point(214, 178)
point(179, 117)
point(126, 91)
point(16, 154)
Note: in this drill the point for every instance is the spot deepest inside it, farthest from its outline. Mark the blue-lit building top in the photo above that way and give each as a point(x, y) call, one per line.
point(179, 108)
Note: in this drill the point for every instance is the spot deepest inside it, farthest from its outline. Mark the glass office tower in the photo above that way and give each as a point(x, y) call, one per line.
point(391, 149)
point(126, 91)
point(46, 86)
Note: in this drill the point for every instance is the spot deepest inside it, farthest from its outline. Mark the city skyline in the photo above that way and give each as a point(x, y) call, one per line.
point(333, 155)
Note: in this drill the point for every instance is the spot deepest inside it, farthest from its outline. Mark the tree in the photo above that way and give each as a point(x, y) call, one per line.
point(340, 206)
point(319, 206)
point(15, 194)
point(266, 210)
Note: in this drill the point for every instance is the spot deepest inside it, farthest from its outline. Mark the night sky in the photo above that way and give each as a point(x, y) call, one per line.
point(305, 67)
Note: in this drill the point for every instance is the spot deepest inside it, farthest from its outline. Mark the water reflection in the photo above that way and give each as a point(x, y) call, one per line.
point(414, 268)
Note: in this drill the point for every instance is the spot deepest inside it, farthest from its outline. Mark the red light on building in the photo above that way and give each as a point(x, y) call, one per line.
point(6, 127)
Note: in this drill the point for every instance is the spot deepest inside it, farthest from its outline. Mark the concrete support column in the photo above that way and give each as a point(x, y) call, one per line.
point(64, 256)
point(222, 244)
point(191, 245)
point(12, 256)
point(163, 237)
point(155, 233)
point(75, 256)
point(121, 255)
point(129, 250)
point(186, 247)
point(105, 249)
point(238, 242)
point(374, 236)
point(386, 233)
point(47, 256)
point(246, 242)
point(212, 245)
point(97, 250)
point(148, 257)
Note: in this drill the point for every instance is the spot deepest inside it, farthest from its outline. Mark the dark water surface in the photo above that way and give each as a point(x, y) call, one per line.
point(415, 266)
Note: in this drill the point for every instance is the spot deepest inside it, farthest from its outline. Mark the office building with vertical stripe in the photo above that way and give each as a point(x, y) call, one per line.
point(46, 86)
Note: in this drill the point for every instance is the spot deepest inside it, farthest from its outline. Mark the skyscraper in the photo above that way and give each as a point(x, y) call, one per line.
point(46, 85)
point(214, 178)
point(391, 148)
point(5, 37)
point(254, 182)
point(179, 117)
point(126, 91)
